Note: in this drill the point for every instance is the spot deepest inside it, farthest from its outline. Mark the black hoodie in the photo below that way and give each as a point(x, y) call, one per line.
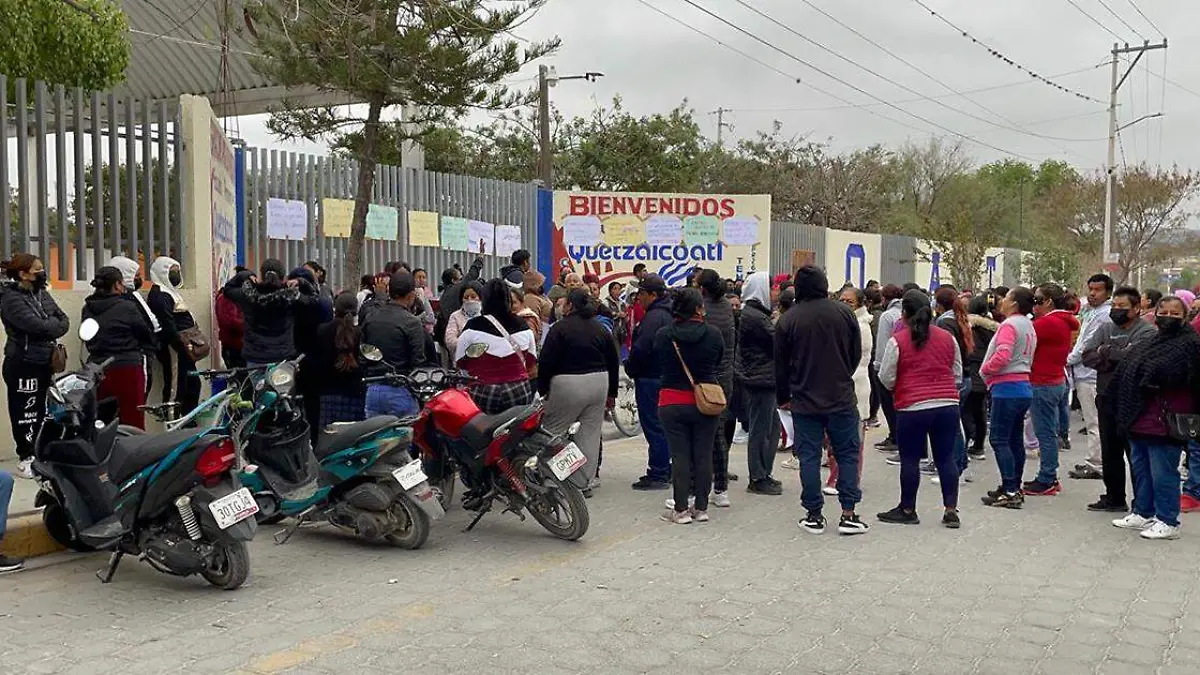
point(32, 321)
point(124, 329)
point(270, 313)
point(703, 350)
point(817, 348)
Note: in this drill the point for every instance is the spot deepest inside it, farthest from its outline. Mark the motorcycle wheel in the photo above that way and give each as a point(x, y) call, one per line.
point(54, 519)
point(625, 412)
point(229, 566)
point(567, 517)
point(415, 532)
point(445, 489)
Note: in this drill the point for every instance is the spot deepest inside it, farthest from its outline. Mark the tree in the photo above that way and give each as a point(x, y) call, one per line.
point(923, 173)
point(433, 60)
point(79, 44)
point(1051, 264)
point(1150, 207)
point(964, 222)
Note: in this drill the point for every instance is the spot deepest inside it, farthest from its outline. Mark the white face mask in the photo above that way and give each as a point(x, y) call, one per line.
point(472, 308)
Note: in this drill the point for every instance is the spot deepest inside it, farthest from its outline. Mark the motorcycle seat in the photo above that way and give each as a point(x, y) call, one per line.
point(340, 436)
point(131, 454)
point(479, 431)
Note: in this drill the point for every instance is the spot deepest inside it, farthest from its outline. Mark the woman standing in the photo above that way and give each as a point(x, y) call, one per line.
point(335, 365)
point(922, 366)
point(756, 373)
point(855, 299)
point(577, 374)
point(689, 351)
point(1156, 382)
point(974, 417)
point(32, 323)
point(426, 298)
point(952, 316)
point(179, 335)
point(125, 334)
point(470, 300)
point(1006, 369)
point(498, 348)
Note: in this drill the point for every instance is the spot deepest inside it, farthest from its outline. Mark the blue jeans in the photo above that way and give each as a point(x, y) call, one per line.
point(384, 399)
point(843, 427)
point(1007, 434)
point(1064, 412)
point(1155, 468)
point(6, 488)
point(1047, 416)
point(646, 393)
point(1192, 485)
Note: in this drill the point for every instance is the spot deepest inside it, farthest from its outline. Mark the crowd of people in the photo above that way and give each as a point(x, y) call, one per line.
point(709, 361)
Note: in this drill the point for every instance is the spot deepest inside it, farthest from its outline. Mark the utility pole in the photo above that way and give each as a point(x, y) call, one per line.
point(1110, 167)
point(548, 77)
point(721, 124)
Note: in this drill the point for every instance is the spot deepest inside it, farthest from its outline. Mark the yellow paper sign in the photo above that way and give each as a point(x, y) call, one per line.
point(624, 231)
point(423, 228)
point(336, 217)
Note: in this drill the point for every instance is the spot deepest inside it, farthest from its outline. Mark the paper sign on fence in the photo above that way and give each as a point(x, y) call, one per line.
point(336, 216)
point(478, 230)
point(383, 222)
point(581, 230)
point(287, 219)
point(508, 239)
point(423, 228)
point(454, 233)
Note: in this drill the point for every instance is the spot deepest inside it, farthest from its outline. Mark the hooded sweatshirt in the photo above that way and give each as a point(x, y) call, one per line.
point(702, 349)
point(167, 305)
point(1054, 343)
point(269, 308)
point(755, 362)
point(818, 346)
point(124, 330)
point(129, 270)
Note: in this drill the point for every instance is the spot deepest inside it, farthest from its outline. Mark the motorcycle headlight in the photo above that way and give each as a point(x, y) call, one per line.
point(282, 378)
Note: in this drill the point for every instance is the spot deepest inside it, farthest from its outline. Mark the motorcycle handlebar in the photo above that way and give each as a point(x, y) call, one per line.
point(228, 372)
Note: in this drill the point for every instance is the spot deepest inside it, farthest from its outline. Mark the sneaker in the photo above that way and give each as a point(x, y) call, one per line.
point(1035, 488)
point(721, 500)
point(790, 463)
point(1133, 521)
point(887, 446)
point(8, 564)
point(977, 454)
point(670, 502)
point(1085, 473)
point(950, 520)
point(928, 467)
point(1064, 442)
point(852, 525)
point(894, 460)
point(1005, 500)
point(699, 516)
point(1160, 530)
point(740, 437)
point(1108, 505)
point(731, 477)
point(899, 516)
point(648, 483)
point(830, 490)
point(772, 481)
point(1188, 504)
point(813, 523)
point(764, 487)
point(677, 517)
point(873, 423)
point(25, 469)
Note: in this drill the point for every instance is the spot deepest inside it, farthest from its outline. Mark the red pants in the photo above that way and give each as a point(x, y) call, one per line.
point(127, 384)
point(833, 469)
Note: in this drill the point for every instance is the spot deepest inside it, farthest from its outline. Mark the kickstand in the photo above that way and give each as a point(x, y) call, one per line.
point(105, 575)
point(282, 536)
point(479, 516)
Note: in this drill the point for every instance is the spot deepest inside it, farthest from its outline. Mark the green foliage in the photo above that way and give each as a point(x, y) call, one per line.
point(1054, 264)
point(52, 41)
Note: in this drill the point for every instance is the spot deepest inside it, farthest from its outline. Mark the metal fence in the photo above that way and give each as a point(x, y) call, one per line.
point(788, 237)
point(289, 175)
point(94, 176)
point(899, 259)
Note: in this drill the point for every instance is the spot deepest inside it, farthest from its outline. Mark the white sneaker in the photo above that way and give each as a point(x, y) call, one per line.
point(677, 517)
point(830, 490)
point(740, 437)
point(1133, 522)
point(670, 502)
point(720, 499)
point(25, 469)
point(790, 463)
point(1160, 530)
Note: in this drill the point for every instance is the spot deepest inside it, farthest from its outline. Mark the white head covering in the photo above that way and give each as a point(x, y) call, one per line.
point(129, 269)
point(160, 273)
point(758, 287)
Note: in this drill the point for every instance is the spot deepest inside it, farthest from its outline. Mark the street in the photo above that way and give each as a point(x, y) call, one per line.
point(1048, 589)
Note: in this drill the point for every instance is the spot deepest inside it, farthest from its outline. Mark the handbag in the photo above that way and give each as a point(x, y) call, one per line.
point(58, 358)
point(193, 337)
point(710, 398)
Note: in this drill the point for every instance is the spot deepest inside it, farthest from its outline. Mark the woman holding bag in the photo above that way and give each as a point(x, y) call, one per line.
point(180, 334)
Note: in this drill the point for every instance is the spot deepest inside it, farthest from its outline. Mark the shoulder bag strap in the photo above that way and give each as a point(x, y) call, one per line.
point(686, 371)
point(504, 333)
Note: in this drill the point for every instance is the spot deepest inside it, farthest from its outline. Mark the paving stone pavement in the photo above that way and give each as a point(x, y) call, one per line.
point(1049, 589)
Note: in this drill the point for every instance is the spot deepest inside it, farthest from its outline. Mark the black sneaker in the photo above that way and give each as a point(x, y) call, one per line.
point(899, 516)
point(928, 467)
point(1065, 442)
point(852, 525)
point(887, 446)
point(1108, 505)
point(977, 454)
point(731, 477)
point(1036, 488)
point(648, 483)
point(10, 564)
point(1005, 500)
point(764, 487)
point(950, 520)
point(996, 493)
point(813, 523)
point(894, 459)
point(775, 482)
point(1086, 473)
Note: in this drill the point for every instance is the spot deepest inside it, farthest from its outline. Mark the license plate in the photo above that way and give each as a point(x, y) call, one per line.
point(233, 508)
point(410, 474)
point(567, 461)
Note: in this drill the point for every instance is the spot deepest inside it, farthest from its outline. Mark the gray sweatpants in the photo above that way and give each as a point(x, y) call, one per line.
point(579, 398)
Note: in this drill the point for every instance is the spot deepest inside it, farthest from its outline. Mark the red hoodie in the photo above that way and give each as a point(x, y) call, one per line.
point(1054, 343)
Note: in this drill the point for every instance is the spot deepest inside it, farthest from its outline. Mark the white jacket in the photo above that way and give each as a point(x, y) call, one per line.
point(862, 374)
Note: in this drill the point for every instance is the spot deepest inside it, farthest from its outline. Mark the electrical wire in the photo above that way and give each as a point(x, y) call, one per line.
point(1121, 19)
point(1095, 20)
point(1143, 15)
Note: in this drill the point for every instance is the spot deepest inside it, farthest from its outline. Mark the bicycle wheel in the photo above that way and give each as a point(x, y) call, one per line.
point(625, 412)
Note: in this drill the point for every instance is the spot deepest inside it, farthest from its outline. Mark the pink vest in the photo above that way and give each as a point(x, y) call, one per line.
point(927, 373)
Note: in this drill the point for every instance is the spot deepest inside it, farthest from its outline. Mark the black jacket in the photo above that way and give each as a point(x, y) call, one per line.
point(399, 335)
point(817, 349)
point(322, 364)
point(576, 346)
point(719, 314)
point(32, 324)
point(702, 348)
point(171, 321)
point(448, 301)
point(270, 315)
point(124, 333)
point(756, 347)
point(984, 329)
point(641, 363)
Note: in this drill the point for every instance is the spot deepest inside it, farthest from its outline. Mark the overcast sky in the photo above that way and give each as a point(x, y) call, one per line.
point(655, 62)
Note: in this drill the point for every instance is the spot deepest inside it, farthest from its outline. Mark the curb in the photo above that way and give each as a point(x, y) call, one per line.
point(27, 538)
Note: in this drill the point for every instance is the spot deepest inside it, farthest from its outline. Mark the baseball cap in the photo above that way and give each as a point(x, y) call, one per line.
point(652, 283)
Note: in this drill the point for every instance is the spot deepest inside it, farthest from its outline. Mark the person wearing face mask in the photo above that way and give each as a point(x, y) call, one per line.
point(1107, 348)
point(124, 335)
point(132, 280)
point(470, 299)
point(33, 323)
point(180, 335)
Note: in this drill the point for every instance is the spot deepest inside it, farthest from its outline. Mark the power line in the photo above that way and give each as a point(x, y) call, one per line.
point(1143, 15)
point(1121, 19)
point(997, 54)
point(1094, 20)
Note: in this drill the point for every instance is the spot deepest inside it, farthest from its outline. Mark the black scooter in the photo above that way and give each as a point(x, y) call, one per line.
point(171, 499)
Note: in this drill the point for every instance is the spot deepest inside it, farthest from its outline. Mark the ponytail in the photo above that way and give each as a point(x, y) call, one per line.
point(949, 301)
point(916, 309)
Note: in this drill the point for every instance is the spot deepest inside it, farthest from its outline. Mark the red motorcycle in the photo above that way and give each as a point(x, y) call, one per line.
point(506, 457)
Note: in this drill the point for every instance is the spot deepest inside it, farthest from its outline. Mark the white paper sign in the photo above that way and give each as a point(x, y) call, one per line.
point(477, 230)
point(741, 231)
point(664, 229)
point(785, 420)
point(508, 239)
point(287, 219)
point(581, 230)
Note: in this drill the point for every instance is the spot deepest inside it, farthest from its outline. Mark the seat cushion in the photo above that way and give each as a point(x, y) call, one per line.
point(478, 432)
point(133, 453)
point(337, 437)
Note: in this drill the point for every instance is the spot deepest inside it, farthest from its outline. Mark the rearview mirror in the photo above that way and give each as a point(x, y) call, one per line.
point(371, 353)
point(89, 329)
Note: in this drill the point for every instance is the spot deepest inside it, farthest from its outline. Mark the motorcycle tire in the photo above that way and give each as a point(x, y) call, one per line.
point(230, 567)
point(417, 533)
point(570, 498)
point(446, 489)
point(54, 519)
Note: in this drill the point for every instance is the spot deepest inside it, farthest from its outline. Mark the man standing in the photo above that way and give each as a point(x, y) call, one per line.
point(1104, 351)
point(514, 274)
point(1095, 314)
point(883, 334)
point(1054, 326)
point(817, 349)
point(647, 374)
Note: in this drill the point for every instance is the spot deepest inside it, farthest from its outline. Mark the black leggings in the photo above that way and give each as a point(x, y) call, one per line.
point(974, 419)
point(876, 385)
point(690, 437)
point(26, 384)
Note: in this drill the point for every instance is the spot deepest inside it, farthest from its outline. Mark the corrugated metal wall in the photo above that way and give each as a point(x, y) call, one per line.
point(899, 259)
point(787, 237)
point(1012, 267)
